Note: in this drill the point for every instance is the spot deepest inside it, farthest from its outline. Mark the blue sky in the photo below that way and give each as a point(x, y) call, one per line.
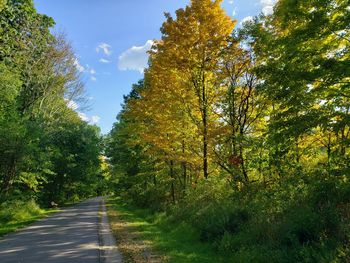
point(110, 39)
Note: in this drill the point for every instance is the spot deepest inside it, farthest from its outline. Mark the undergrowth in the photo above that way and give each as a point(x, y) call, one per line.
point(296, 221)
point(15, 214)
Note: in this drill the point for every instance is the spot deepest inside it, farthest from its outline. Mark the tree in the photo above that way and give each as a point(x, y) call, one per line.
point(38, 79)
point(302, 58)
point(242, 112)
point(191, 45)
point(133, 165)
point(74, 149)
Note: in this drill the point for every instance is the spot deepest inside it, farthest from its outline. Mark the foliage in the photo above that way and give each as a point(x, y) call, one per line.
point(244, 134)
point(47, 153)
point(172, 242)
point(18, 213)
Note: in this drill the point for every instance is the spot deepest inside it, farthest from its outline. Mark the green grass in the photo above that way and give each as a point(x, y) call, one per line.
point(18, 214)
point(178, 242)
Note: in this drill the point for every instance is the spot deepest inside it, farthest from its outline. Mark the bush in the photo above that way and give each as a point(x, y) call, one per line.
point(18, 210)
point(300, 220)
point(17, 213)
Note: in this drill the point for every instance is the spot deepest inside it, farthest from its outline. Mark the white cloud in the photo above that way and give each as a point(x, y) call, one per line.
point(91, 120)
point(79, 67)
point(72, 104)
point(83, 116)
point(135, 58)
point(234, 12)
point(267, 6)
point(94, 119)
point(75, 106)
point(247, 19)
point(267, 10)
point(267, 2)
point(87, 69)
point(105, 48)
point(105, 61)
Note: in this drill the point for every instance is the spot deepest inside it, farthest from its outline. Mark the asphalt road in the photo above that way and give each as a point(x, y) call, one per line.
point(69, 236)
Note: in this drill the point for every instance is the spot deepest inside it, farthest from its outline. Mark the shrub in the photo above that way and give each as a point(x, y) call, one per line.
point(16, 213)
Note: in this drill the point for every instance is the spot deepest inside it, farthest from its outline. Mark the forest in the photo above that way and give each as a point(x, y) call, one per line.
point(47, 153)
point(242, 132)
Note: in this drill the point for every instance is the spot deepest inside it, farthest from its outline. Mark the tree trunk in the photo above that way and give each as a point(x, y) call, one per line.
point(329, 152)
point(172, 181)
point(205, 132)
point(184, 167)
point(243, 167)
point(205, 154)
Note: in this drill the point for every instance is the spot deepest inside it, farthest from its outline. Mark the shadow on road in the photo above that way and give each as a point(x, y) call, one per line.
point(68, 236)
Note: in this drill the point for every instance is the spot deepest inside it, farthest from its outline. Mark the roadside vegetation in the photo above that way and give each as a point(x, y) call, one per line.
point(237, 139)
point(17, 214)
point(150, 237)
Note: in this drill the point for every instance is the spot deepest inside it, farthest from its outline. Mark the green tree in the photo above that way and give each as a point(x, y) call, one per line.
point(303, 60)
point(38, 79)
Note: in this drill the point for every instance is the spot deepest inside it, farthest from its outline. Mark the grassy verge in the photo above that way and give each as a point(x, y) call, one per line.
point(143, 237)
point(18, 214)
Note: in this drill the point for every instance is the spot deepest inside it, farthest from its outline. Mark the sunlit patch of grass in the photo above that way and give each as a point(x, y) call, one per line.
point(172, 242)
point(18, 214)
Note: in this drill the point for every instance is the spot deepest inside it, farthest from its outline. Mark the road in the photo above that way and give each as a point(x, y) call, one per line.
point(69, 236)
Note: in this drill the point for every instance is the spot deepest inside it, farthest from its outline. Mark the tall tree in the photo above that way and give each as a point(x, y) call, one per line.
point(38, 79)
point(242, 112)
point(192, 44)
point(303, 59)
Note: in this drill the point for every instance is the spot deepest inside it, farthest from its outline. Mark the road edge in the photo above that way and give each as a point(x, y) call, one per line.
point(109, 252)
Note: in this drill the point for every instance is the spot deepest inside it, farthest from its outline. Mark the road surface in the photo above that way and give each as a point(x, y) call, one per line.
point(69, 236)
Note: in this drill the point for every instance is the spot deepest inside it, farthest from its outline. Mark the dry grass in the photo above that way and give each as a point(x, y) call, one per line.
point(133, 248)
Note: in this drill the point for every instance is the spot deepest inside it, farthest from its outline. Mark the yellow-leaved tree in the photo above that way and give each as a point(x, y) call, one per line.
point(191, 49)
